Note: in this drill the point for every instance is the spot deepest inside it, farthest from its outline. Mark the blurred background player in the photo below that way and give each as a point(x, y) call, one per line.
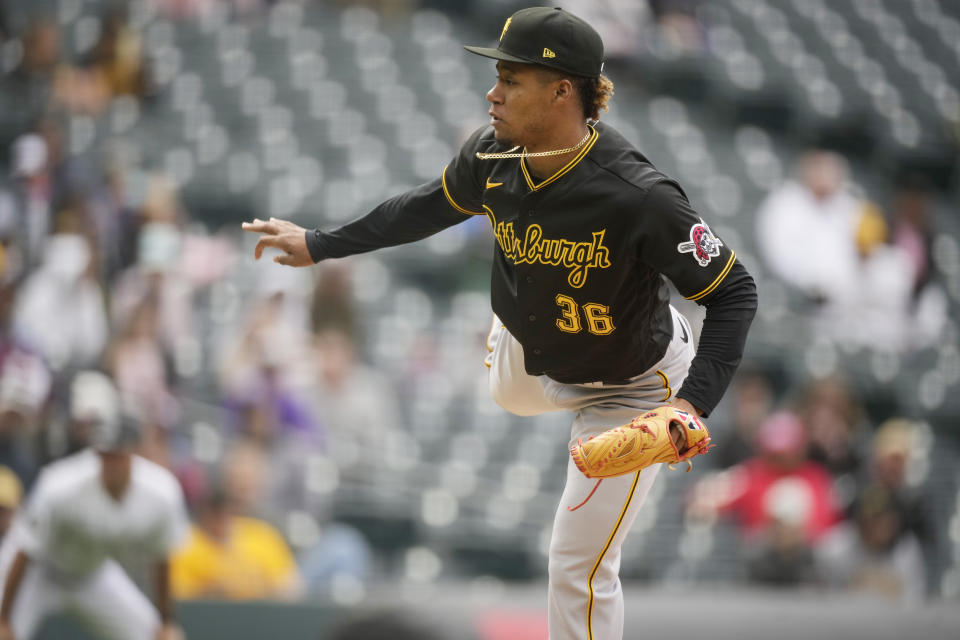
point(88, 516)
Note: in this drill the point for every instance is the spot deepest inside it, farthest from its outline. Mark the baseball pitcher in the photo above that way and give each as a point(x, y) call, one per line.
point(586, 229)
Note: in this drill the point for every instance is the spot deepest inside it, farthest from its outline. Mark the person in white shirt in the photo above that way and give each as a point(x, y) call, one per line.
point(820, 237)
point(806, 229)
point(87, 516)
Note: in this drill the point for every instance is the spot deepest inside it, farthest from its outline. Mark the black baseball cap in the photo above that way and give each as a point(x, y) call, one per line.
point(550, 37)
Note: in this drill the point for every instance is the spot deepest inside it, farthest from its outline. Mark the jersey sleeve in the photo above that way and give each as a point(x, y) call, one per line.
point(462, 184)
point(414, 215)
point(675, 241)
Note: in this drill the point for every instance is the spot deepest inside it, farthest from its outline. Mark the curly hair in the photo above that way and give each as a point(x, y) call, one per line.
point(595, 93)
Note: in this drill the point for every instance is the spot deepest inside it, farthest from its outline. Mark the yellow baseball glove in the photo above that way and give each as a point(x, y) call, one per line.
point(643, 442)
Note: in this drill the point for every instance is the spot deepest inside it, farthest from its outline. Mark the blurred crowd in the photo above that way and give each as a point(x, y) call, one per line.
point(818, 494)
point(865, 273)
point(102, 268)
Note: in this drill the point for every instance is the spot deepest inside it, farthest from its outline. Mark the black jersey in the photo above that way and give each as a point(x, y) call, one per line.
point(580, 258)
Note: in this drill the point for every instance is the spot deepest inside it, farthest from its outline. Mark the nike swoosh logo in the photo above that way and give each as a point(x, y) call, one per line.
point(683, 333)
point(491, 185)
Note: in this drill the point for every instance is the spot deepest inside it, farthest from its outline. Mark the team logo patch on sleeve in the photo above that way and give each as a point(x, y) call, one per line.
point(703, 244)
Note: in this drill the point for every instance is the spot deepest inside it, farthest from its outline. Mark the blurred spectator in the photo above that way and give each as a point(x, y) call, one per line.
point(232, 557)
point(268, 414)
point(821, 239)
point(119, 56)
point(275, 330)
point(277, 437)
point(679, 29)
point(168, 273)
point(25, 384)
point(270, 483)
point(113, 215)
point(893, 465)
point(332, 305)
point(342, 551)
point(358, 404)
point(270, 479)
point(912, 234)
point(776, 483)
point(621, 26)
point(12, 260)
point(81, 89)
point(835, 421)
point(873, 554)
point(752, 398)
point(782, 501)
point(912, 229)
point(30, 196)
point(806, 229)
point(265, 402)
point(342, 376)
point(782, 556)
point(245, 477)
point(62, 288)
point(11, 492)
point(8, 297)
point(25, 92)
point(68, 177)
point(41, 51)
point(137, 361)
point(263, 398)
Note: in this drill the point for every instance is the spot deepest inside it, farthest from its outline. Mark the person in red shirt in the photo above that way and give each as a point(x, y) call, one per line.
point(782, 501)
point(778, 486)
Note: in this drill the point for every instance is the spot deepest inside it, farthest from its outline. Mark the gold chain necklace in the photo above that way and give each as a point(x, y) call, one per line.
point(511, 153)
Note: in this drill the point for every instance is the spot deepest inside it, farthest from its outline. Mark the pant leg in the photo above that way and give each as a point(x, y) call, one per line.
point(510, 385)
point(585, 599)
point(37, 598)
point(112, 605)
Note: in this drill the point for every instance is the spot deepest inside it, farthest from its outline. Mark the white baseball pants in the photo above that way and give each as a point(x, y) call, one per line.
point(108, 603)
point(585, 599)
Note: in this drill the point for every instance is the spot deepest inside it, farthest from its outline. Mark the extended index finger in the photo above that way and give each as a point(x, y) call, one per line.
point(258, 226)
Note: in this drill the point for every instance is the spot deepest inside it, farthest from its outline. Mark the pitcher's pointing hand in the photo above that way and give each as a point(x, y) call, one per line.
point(290, 238)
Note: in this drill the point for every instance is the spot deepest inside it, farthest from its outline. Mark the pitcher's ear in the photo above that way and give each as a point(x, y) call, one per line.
point(564, 89)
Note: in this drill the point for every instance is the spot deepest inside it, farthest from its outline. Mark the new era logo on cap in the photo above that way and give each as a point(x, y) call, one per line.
point(550, 37)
